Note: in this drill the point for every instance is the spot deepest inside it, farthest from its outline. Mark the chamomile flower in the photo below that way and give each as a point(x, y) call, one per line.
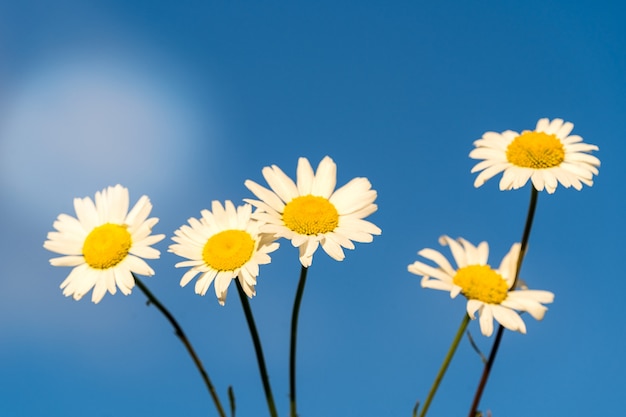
point(224, 244)
point(105, 243)
point(488, 291)
point(310, 212)
point(547, 156)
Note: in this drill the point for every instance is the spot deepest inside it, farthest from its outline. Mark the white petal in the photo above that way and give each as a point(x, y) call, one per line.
point(86, 213)
point(64, 247)
point(137, 265)
point(124, 280)
point(99, 290)
point(138, 214)
point(67, 261)
point(472, 307)
point(307, 251)
point(221, 283)
point(188, 276)
point(305, 176)
point(118, 202)
point(333, 249)
point(486, 320)
point(145, 252)
point(435, 284)
point(543, 124)
point(508, 318)
point(439, 259)
point(538, 181)
point(419, 268)
point(267, 196)
point(325, 178)
point(353, 196)
point(565, 130)
point(488, 174)
point(457, 251)
point(280, 183)
point(203, 283)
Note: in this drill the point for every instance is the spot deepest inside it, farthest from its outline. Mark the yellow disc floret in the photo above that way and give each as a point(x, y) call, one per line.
point(310, 215)
point(480, 282)
point(228, 250)
point(106, 246)
point(535, 150)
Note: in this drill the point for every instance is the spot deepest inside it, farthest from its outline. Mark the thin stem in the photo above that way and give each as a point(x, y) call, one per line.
point(181, 335)
point(257, 349)
point(292, 350)
point(496, 343)
point(444, 365)
point(486, 371)
point(526, 235)
point(231, 399)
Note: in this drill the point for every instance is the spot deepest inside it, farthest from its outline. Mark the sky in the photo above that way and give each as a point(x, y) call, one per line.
point(184, 101)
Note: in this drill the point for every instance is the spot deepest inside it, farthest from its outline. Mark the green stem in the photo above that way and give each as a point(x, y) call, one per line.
point(181, 335)
point(444, 365)
point(526, 235)
point(496, 343)
point(231, 399)
point(292, 350)
point(257, 349)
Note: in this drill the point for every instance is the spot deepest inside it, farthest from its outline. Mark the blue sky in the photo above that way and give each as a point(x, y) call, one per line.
point(184, 101)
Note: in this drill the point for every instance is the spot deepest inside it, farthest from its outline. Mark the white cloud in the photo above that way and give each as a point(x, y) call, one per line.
point(68, 128)
point(78, 124)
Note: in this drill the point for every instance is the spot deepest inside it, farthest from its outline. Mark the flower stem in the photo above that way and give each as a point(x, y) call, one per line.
point(444, 365)
point(496, 343)
point(257, 349)
point(292, 350)
point(181, 335)
point(526, 235)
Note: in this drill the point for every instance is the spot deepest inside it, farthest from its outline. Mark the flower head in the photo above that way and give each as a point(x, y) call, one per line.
point(105, 243)
point(310, 212)
point(488, 291)
point(547, 155)
point(225, 243)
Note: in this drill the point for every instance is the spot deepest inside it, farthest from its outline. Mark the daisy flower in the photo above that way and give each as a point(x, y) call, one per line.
point(105, 243)
point(223, 244)
point(310, 212)
point(488, 291)
point(547, 155)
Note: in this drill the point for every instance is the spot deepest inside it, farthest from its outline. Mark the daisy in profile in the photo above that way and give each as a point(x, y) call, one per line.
point(488, 291)
point(547, 156)
point(310, 212)
point(224, 244)
point(105, 243)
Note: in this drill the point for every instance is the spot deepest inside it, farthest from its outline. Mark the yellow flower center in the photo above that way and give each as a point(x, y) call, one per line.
point(107, 246)
point(310, 215)
point(535, 150)
point(228, 250)
point(480, 282)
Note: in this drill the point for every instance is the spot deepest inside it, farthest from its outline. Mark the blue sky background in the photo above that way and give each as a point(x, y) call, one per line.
point(184, 101)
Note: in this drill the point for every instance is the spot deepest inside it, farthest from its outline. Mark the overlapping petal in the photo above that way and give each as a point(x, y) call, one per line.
point(441, 276)
point(110, 207)
point(353, 202)
point(577, 166)
point(190, 241)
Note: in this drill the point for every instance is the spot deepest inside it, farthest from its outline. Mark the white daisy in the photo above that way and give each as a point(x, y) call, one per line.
point(547, 155)
point(311, 212)
point(488, 291)
point(223, 244)
point(105, 243)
